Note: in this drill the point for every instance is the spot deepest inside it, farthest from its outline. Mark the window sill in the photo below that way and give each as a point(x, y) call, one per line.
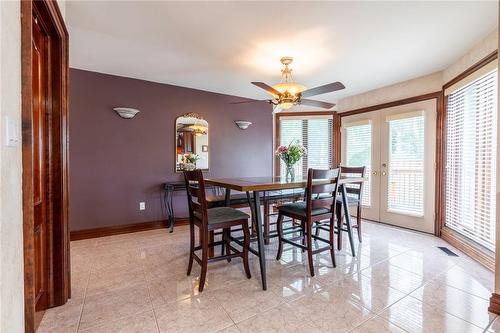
point(477, 252)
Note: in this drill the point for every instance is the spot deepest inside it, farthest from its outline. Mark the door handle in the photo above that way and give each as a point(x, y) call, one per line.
point(374, 173)
point(384, 165)
point(384, 173)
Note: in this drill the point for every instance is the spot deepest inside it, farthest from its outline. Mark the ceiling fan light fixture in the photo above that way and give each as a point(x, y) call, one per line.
point(288, 93)
point(290, 87)
point(286, 105)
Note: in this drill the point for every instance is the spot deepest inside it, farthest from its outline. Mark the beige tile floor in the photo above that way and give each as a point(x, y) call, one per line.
point(399, 282)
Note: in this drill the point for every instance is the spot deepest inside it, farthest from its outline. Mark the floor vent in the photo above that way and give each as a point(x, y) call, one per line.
point(447, 251)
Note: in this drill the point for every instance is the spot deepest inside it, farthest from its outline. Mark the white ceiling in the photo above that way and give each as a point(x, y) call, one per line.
point(222, 46)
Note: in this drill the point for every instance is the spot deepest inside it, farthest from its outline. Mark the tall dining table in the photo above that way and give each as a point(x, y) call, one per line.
point(259, 185)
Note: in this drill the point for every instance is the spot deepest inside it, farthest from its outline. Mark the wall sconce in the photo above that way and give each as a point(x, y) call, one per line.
point(243, 124)
point(126, 113)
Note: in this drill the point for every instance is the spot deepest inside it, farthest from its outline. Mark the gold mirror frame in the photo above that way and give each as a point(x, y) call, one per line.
point(200, 126)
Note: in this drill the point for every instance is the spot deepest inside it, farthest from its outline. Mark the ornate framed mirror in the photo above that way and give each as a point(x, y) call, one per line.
point(191, 143)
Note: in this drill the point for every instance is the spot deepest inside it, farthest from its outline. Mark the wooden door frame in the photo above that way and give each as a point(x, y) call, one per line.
point(59, 291)
point(438, 96)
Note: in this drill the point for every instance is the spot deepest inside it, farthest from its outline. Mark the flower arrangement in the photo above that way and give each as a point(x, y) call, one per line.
point(290, 155)
point(189, 161)
point(190, 158)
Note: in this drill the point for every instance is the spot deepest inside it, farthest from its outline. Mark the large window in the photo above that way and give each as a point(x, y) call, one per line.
point(471, 131)
point(315, 133)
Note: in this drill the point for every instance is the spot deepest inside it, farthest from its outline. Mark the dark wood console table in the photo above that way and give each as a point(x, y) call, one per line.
point(168, 200)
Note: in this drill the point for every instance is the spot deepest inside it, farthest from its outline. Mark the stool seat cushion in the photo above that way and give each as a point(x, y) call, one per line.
point(350, 200)
point(299, 208)
point(223, 214)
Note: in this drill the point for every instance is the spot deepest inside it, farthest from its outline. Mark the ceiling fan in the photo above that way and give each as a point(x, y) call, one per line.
point(288, 93)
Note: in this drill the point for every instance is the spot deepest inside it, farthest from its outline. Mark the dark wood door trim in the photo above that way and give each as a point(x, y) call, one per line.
point(399, 102)
point(49, 16)
point(478, 65)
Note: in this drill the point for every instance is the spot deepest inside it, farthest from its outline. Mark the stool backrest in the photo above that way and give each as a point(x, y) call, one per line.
point(197, 201)
point(322, 195)
point(353, 188)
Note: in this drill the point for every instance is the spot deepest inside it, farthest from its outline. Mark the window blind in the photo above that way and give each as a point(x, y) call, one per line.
point(358, 148)
point(406, 164)
point(315, 133)
point(471, 159)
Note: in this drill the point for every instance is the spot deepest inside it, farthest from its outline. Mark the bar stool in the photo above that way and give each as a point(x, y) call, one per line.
point(354, 197)
point(319, 205)
point(208, 220)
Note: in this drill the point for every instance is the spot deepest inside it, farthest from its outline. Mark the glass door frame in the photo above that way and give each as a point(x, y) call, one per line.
point(376, 114)
point(408, 220)
point(367, 212)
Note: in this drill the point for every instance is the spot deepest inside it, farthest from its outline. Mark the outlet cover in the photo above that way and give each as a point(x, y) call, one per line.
point(142, 205)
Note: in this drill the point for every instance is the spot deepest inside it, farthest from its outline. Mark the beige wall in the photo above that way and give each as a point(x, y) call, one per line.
point(422, 85)
point(484, 47)
point(401, 90)
point(11, 245)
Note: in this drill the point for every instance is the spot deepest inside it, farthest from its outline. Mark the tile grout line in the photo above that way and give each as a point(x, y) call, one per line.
point(150, 300)
point(102, 293)
point(445, 311)
point(85, 295)
point(387, 320)
point(434, 307)
point(141, 248)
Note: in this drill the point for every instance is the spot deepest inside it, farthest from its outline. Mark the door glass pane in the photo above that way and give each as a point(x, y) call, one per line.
point(359, 153)
point(406, 166)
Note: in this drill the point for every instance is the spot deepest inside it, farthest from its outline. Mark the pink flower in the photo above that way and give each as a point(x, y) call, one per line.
point(282, 149)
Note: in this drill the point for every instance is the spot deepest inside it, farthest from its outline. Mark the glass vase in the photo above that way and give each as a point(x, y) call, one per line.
point(290, 172)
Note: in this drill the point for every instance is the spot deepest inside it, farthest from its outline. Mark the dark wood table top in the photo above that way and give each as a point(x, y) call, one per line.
point(249, 184)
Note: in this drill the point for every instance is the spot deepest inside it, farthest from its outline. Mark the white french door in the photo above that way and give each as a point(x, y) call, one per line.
point(360, 147)
point(397, 145)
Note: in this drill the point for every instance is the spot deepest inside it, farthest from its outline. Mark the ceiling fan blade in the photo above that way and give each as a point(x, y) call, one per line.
point(323, 89)
point(320, 104)
point(252, 101)
point(267, 88)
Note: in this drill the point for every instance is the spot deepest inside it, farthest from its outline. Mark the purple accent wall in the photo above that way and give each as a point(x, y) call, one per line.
point(115, 163)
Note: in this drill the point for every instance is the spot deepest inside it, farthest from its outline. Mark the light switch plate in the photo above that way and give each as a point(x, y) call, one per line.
point(142, 205)
point(11, 132)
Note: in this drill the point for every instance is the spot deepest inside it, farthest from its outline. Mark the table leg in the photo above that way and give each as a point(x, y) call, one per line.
point(211, 252)
point(260, 238)
point(347, 219)
point(227, 203)
point(250, 205)
point(169, 204)
point(227, 198)
point(267, 220)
